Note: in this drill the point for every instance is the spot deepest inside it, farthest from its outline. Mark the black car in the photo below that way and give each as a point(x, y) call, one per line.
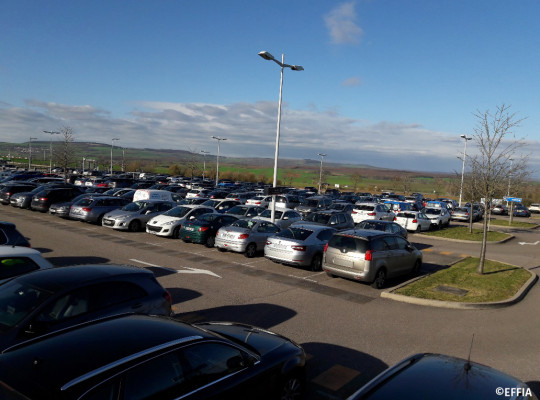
point(385, 226)
point(24, 199)
point(42, 201)
point(9, 235)
point(48, 300)
point(10, 188)
point(148, 357)
point(436, 376)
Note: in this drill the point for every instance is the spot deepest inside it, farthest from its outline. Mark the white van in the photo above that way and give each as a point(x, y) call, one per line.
point(156, 195)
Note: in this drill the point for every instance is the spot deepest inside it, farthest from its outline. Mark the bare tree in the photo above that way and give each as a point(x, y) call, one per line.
point(356, 178)
point(497, 160)
point(65, 154)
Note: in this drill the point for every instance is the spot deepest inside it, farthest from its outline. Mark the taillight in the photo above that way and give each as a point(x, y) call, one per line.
point(86, 209)
point(354, 212)
point(414, 221)
point(257, 202)
point(326, 247)
point(244, 236)
point(167, 296)
point(368, 255)
point(372, 214)
point(395, 218)
point(268, 242)
point(203, 229)
point(42, 199)
point(299, 248)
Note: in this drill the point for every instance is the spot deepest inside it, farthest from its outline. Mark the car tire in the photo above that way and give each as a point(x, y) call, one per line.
point(292, 387)
point(210, 241)
point(380, 279)
point(221, 249)
point(316, 262)
point(417, 268)
point(251, 250)
point(135, 226)
point(176, 233)
point(100, 219)
point(418, 229)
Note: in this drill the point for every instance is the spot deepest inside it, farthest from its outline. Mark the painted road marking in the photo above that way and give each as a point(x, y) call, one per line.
point(186, 270)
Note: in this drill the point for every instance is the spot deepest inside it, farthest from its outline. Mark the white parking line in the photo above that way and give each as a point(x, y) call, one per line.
point(186, 270)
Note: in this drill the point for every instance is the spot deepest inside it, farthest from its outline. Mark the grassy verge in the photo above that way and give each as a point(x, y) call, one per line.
point(515, 224)
point(462, 233)
point(499, 282)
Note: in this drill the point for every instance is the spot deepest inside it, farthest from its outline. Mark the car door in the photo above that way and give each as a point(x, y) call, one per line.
point(262, 232)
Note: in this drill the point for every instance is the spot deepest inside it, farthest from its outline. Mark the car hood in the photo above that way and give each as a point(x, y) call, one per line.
point(161, 219)
point(261, 340)
point(121, 213)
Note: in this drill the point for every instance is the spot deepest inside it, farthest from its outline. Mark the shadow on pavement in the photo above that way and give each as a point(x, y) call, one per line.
point(335, 372)
point(263, 315)
point(83, 260)
point(180, 295)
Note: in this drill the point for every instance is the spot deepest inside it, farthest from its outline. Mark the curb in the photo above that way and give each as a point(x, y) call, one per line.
point(520, 295)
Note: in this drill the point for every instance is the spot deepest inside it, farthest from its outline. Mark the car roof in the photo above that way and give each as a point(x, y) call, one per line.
point(100, 345)
point(56, 279)
point(311, 226)
point(8, 251)
point(365, 233)
point(378, 221)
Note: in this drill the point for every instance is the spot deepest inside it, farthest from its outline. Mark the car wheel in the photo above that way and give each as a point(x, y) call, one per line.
point(439, 226)
point(419, 229)
point(251, 250)
point(292, 387)
point(417, 267)
point(134, 226)
point(380, 279)
point(316, 262)
point(176, 233)
point(100, 220)
point(210, 241)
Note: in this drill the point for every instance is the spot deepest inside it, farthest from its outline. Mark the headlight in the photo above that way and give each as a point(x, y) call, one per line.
point(169, 223)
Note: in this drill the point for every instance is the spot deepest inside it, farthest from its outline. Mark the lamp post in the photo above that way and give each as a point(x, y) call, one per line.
point(30, 152)
point(509, 177)
point(320, 171)
point(464, 137)
point(204, 153)
point(112, 146)
point(217, 160)
point(50, 148)
point(269, 57)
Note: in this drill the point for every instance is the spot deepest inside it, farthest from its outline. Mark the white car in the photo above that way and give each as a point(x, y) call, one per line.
point(439, 217)
point(363, 211)
point(17, 260)
point(262, 201)
point(413, 221)
point(283, 217)
point(170, 222)
point(535, 208)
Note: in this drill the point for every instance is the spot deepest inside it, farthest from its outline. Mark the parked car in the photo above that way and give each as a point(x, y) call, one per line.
point(334, 219)
point(499, 209)
point(41, 201)
point(413, 221)
point(169, 223)
point(370, 256)
point(314, 203)
point(464, 214)
point(134, 216)
point(287, 201)
point(439, 216)
point(521, 211)
point(62, 209)
point(241, 197)
point(10, 236)
point(192, 200)
point(221, 205)
point(262, 201)
point(17, 260)
point(534, 208)
point(244, 210)
point(93, 209)
point(8, 189)
point(364, 211)
point(246, 236)
point(282, 217)
point(162, 359)
point(383, 226)
point(342, 206)
point(299, 245)
point(52, 299)
point(198, 193)
point(203, 229)
point(24, 199)
point(434, 376)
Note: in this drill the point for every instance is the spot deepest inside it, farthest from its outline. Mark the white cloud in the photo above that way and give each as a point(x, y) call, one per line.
point(341, 22)
point(353, 81)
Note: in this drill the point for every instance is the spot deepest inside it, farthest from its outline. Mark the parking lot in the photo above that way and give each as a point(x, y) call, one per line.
point(349, 332)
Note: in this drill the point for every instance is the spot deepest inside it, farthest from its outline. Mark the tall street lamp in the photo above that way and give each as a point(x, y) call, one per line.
point(112, 146)
point(30, 152)
point(464, 137)
point(50, 148)
point(267, 56)
point(320, 171)
point(204, 153)
point(509, 177)
point(217, 160)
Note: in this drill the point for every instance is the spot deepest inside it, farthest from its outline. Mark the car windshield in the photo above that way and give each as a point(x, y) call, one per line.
point(268, 214)
point(318, 218)
point(406, 215)
point(433, 211)
point(207, 217)
point(295, 233)
point(244, 223)
point(178, 211)
point(311, 203)
point(238, 210)
point(135, 206)
point(17, 300)
point(211, 203)
point(365, 207)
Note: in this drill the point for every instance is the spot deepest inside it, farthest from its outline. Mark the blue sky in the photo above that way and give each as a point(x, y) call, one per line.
point(391, 83)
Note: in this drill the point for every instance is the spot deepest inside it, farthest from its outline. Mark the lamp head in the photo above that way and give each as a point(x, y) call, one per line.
point(266, 55)
point(297, 68)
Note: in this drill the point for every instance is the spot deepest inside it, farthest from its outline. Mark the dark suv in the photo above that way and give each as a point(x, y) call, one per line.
point(42, 201)
point(370, 256)
point(49, 300)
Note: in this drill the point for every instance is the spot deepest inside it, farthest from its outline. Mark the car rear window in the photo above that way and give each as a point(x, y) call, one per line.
point(348, 243)
point(295, 233)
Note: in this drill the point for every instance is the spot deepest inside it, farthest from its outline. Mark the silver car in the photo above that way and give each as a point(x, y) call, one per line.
point(134, 216)
point(245, 236)
point(282, 217)
point(299, 245)
point(370, 256)
point(92, 209)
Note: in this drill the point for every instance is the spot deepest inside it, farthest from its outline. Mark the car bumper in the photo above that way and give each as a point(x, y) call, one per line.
point(231, 245)
point(349, 273)
point(299, 258)
point(114, 224)
point(164, 231)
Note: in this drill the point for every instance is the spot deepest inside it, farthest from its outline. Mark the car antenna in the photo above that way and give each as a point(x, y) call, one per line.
point(468, 365)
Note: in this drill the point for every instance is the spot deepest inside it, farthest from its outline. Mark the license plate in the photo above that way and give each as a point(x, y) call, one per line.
point(189, 228)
